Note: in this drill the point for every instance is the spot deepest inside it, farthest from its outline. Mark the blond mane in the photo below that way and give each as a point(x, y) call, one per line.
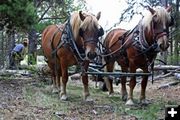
point(162, 17)
point(89, 23)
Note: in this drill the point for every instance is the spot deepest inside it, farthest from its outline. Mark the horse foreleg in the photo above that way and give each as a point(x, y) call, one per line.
point(58, 82)
point(123, 85)
point(64, 79)
point(132, 84)
point(85, 84)
point(108, 81)
point(86, 88)
point(143, 87)
point(55, 89)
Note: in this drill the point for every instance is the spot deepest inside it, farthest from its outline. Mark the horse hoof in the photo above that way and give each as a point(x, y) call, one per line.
point(144, 102)
point(88, 99)
point(124, 97)
point(55, 90)
point(130, 102)
point(111, 94)
point(64, 97)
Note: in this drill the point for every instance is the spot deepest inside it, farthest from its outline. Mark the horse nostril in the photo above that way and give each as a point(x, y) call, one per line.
point(91, 55)
point(163, 47)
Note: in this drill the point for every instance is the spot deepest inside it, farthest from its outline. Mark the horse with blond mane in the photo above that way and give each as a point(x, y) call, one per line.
point(137, 49)
point(72, 43)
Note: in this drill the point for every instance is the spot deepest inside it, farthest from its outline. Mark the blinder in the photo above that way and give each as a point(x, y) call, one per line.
point(81, 32)
point(171, 21)
point(100, 32)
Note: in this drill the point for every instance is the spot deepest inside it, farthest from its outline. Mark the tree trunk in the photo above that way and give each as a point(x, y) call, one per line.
point(32, 36)
point(1, 49)
point(10, 44)
point(177, 37)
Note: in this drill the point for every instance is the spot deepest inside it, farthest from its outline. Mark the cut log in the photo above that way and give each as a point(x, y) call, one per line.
point(177, 76)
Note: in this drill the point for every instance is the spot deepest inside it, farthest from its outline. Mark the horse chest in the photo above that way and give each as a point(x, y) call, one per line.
point(66, 55)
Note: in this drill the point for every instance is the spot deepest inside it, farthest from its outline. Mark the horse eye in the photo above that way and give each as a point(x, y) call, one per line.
point(171, 23)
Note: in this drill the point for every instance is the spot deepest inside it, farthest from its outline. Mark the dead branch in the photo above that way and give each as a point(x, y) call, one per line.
point(168, 84)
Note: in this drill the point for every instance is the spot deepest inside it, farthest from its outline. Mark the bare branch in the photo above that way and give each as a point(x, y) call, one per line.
point(44, 13)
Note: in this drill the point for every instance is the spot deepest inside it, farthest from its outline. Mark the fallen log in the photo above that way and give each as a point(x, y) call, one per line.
point(168, 84)
point(163, 76)
point(14, 72)
point(166, 67)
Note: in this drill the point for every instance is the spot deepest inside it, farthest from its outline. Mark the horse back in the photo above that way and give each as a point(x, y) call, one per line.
point(112, 39)
point(51, 37)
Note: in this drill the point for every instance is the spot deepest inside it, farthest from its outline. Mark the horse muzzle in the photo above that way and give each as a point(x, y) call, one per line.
point(164, 47)
point(91, 55)
point(163, 43)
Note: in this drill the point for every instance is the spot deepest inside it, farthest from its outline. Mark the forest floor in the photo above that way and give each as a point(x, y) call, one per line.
point(30, 98)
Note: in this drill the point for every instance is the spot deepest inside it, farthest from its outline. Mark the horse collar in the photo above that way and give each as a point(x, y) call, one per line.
point(140, 41)
point(68, 39)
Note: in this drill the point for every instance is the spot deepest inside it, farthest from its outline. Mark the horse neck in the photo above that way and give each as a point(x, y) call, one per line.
point(148, 36)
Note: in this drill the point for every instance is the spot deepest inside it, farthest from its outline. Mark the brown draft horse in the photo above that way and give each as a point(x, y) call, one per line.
point(137, 49)
point(64, 45)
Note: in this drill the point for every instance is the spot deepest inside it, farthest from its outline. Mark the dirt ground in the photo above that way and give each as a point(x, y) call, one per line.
point(14, 105)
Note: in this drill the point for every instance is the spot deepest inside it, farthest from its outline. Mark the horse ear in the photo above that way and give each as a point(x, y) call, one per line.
point(151, 10)
point(82, 17)
point(168, 9)
point(98, 15)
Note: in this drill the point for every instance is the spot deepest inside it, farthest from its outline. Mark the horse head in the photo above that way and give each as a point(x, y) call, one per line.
point(158, 23)
point(90, 31)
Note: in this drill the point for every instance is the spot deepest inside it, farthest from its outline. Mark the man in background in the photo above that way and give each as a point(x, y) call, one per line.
point(18, 54)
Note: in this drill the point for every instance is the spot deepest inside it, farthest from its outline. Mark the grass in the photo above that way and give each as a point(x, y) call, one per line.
point(40, 95)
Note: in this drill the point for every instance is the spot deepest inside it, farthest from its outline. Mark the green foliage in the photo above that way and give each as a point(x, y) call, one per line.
point(32, 59)
point(58, 13)
point(18, 14)
point(41, 26)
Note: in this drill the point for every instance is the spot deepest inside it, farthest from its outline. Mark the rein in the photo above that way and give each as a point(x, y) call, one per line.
point(73, 44)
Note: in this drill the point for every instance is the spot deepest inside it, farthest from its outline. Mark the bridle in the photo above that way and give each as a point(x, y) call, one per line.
point(91, 40)
point(157, 35)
